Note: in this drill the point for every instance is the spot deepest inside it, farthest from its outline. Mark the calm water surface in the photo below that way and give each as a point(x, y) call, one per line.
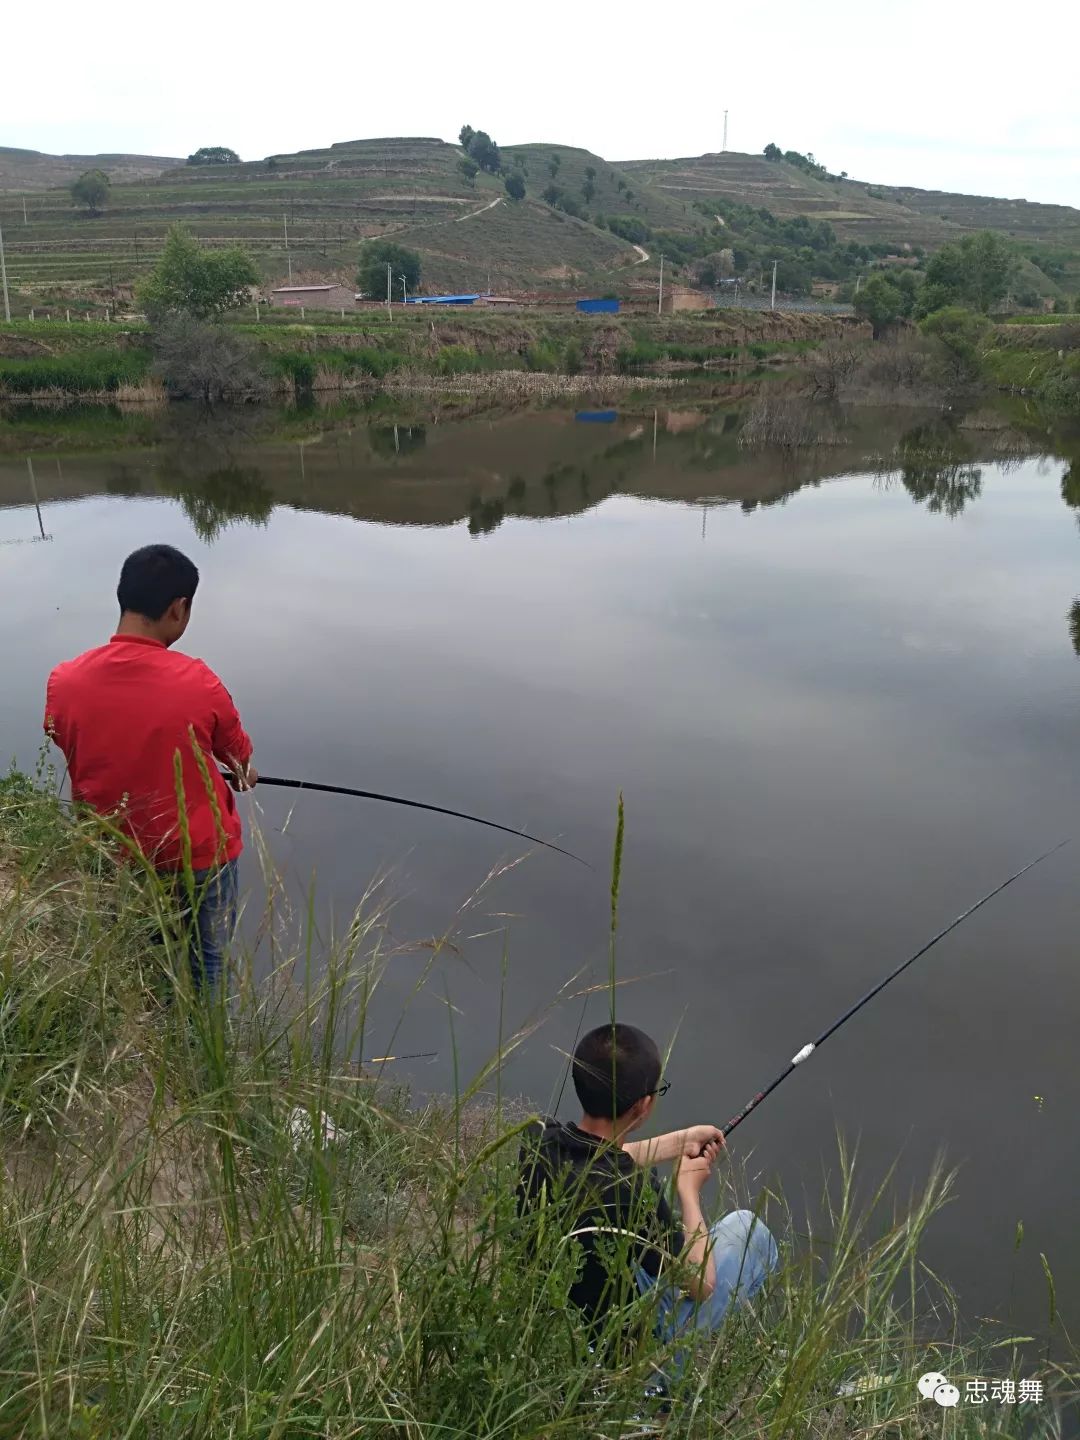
point(836, 721)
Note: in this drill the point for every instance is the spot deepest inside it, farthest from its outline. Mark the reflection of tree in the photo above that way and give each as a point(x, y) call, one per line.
point(935, 471)
point(1074, 625)
point(485, 515)
point(1070, 485)
point(224, 497)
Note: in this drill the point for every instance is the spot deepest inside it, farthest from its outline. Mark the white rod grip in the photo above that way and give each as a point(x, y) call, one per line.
point(804, 1054)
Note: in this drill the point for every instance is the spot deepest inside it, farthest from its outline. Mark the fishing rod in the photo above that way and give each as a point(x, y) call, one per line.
point(808, 1050)
point(413, 805)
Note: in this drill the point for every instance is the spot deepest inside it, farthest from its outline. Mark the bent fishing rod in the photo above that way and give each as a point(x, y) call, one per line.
point(414, 805)
point(808, 1050)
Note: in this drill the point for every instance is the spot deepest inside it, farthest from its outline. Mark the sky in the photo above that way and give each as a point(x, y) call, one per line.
point(943, 94)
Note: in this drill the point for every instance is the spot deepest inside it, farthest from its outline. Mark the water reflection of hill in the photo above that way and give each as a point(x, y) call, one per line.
point(233, 468)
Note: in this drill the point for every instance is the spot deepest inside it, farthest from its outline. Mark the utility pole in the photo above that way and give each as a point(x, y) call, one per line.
point(772, 302)
point(288, 256)
point(660, 297)
point(25, 221)
point(404, 290)
point(724, 147)
point(389, 281)
point(3, 277)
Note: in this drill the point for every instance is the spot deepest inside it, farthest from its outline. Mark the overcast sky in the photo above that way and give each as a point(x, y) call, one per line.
point(945, 94)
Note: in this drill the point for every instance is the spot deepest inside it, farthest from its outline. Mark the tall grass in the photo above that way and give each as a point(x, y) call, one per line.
point(77, 373)
point(214, 1221)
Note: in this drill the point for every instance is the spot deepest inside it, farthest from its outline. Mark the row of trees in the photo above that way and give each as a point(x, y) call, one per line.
point(806, 163)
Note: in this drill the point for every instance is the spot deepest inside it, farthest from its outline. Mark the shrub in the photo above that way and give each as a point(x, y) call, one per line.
point(960, 334)
point(198, 361)
point(542, 355)
point(457, 360)
point(300, 369)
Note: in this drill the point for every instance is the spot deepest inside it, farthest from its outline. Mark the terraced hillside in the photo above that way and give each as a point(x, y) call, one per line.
point(849, 206)
point(322, 203)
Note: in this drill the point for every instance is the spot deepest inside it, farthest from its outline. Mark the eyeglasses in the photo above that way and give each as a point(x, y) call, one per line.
point(661, 1089)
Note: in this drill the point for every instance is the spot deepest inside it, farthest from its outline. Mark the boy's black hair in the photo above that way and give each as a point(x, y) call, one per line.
point(615, 1066)
point(153, 577)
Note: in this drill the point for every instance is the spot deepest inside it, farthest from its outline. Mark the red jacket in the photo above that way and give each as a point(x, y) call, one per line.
point(120, 713)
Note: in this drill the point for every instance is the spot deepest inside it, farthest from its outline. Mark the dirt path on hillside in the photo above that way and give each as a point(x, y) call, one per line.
point(643, 253)
point(473, 213)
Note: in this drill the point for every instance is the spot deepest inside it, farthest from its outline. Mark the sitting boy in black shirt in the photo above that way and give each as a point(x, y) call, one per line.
point(609, 1200)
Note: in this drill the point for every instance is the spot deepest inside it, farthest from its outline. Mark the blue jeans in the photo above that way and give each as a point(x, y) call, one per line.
point(744, 1253)
point(216, 894)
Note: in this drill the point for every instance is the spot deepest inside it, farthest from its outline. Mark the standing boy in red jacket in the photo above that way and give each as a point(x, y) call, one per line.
point(122, 713)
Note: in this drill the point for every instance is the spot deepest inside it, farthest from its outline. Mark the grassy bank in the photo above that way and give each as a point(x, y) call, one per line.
point(219, 1225)
point(42, 357)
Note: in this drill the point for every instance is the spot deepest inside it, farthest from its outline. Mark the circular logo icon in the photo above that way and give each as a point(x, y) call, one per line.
point(947, 1394)
point(929, 1382)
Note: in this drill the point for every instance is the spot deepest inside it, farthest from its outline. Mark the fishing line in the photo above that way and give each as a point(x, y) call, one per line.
point(808, 1050)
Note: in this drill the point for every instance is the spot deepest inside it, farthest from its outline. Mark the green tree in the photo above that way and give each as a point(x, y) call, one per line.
point(961, 335)
point(552, 194)
point(773, 152)
point(468, 168)
point(92, 190)
point(191, 280)
point(214, 155)
point(485, 152)
point(588, 189)
point(975, 272)
point(554, 161)
point(881, 302)
point(374, 258)
point(465, 137)
point(515, 186)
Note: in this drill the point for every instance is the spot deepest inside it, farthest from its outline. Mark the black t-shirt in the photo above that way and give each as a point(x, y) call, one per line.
point(612, 1207)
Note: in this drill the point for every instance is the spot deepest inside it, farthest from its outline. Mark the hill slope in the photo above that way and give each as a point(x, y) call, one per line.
point(33, 170)
point(326, 201)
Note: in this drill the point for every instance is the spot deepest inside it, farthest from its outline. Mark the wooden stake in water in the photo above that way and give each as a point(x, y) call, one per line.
point(33, 491)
